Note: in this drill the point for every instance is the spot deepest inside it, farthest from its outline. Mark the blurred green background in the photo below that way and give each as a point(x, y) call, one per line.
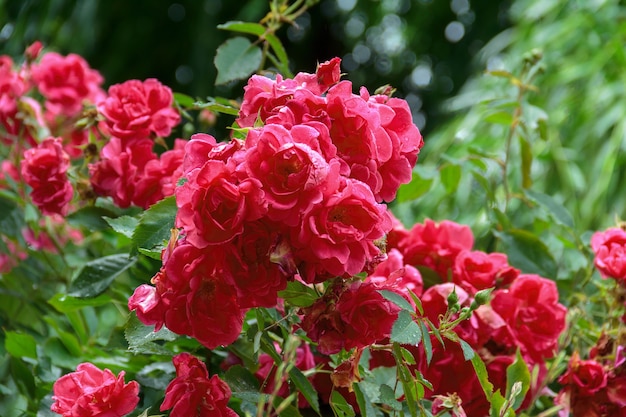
point(424, 48)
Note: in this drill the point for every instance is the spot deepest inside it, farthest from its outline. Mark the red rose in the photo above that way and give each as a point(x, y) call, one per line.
point(338, 235)
point(348, 316)
point(134, 109)
point(534, 317)
point(476, 270)
point(66, 82)
point(44, 168)
point(213, 204)
point(192, 297)
point(293, 174)
point(367, 314)
point(193, 394)
point(120, 169)
point(585, 377)
point(435, 245)
point(610, 250)
point(91, 392)
point(256, 274)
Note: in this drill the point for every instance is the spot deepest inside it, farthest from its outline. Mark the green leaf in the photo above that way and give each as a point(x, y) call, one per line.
point(428, 347)
point(528, 253)
point(299, 295)
point(183, 100)
point(450, 177)
point(397, 299)
point(236, 59)
point(388, 397)
point(65, 304)
point(364, 402)
point(243, 27)
point(556, 210)
point(483, 377)
point(468, 351)
point(217, 107)
point(90, 217)
point(500, 117)
point(11, 217)
point(281, 54)
point(142, 338)
point(96, 276)
point(405, 330)
point(20, 345)
point(155, 225)
point(518, 373)
point(124, 225)
point(418, 186)
point(340, 406)
point(303, 385)
point(499, 405)
point(240, 379)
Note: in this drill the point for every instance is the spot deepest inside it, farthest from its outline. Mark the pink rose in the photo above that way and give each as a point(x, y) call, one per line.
point(134, 109)
point(213, 204)
point(435, 245)
point(44, 168)
point(476, 270)
point(533, 314)
point(193, 394)
point(251, 260)
point(293, 174)
point(119, 171)
point(66, 82)
point(349, 316)
point(338, 235)
point(610, 250)
point(192, 297)
point(91, 392)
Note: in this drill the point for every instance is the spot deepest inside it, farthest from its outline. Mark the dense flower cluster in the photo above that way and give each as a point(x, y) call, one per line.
point(193, 393)
point(595, 387)
point(524, 312)
point(55, 119)
point(92, 392)
point(299, 198)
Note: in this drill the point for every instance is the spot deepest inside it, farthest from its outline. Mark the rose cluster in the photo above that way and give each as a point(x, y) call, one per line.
point(597, 386)
point(299, 197)
point(53, 112)
point(524, 311)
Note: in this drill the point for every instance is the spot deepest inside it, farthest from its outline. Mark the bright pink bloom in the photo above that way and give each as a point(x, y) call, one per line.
point(395, 275)
point(192, 297)
point(159, 177)
point(292, 172)
point(135, 109)
point(120, 169)
point(476, 270)
point(44, 169)
point(213, 204)
point(338, 236)
point(193, 394)
point(65, 82)
point(91, 392)
point(534, 316)
point(610, 250)
point(435, 245)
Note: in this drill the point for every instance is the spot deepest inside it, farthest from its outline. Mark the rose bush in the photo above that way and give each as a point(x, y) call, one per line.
point(271, 259)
